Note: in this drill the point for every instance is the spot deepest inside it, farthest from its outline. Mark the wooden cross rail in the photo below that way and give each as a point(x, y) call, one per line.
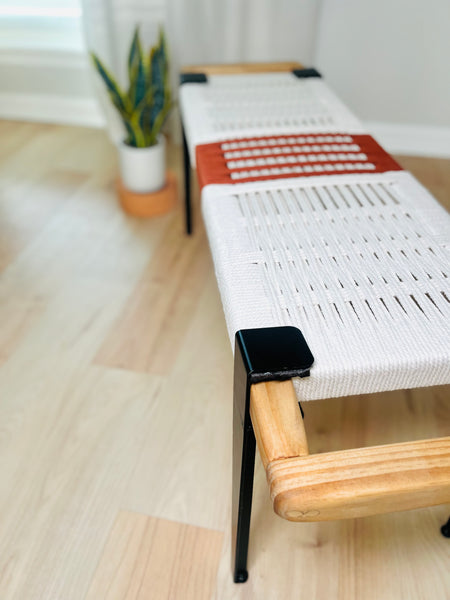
point(347, 483)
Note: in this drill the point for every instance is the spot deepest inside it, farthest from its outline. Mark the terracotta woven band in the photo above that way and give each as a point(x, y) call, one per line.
point(303, 155)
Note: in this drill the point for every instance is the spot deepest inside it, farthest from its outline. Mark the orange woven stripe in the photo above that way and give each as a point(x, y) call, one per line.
point(297, 155)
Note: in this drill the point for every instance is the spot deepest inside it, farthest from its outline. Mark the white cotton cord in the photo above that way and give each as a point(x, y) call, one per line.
point(359, 263)
point(239, 106)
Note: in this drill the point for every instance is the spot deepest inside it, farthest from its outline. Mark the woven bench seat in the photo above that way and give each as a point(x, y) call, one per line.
point(231, 106)
point(219, 107)
point(359, 263)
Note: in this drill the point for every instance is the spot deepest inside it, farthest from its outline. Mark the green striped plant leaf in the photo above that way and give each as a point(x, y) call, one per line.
point(135, 51)
point(119, 99)
point(137, 71)
point(130, 140)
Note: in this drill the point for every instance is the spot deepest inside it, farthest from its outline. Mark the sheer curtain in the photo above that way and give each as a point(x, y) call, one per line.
point(236, 30)
point(200, 31)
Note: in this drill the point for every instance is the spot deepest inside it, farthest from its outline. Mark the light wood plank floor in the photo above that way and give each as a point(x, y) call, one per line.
point(115, 409)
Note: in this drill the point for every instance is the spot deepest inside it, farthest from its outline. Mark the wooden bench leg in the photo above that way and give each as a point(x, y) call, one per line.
point(187, 184)
point(260, 355)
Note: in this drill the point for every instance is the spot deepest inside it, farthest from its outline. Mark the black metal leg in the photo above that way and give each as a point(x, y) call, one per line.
point(198, 78)
point(273, 353)
point(187, 184)
point(243, 472)
point(445, 529)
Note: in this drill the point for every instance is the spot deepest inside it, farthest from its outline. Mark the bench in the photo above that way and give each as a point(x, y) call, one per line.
point(333, 268)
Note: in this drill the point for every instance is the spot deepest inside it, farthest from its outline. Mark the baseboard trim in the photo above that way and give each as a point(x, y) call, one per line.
point(420, 140)
point(46, 108)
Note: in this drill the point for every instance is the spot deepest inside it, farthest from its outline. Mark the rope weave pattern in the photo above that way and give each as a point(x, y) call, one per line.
point(264, 158)
point(236, 106)
point(359, 263)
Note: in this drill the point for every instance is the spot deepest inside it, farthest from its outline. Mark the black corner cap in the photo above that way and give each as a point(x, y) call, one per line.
point(193, 78)
point(274, 353)
point(305, 73)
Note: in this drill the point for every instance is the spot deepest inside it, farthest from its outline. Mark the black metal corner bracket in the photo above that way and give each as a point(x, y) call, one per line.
point(272, 353)
point(305, 73)
point(193, 78)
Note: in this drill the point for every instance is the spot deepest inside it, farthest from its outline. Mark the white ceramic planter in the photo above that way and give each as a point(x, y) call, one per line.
point(143, 170)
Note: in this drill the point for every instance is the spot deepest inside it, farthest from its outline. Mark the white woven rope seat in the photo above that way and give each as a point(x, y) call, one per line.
point(234, 106)
point(359, 263)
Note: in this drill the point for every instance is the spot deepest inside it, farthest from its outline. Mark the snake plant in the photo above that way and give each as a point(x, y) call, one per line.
point(144, 107)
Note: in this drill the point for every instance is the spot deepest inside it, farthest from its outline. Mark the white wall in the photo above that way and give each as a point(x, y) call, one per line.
point(389, 61)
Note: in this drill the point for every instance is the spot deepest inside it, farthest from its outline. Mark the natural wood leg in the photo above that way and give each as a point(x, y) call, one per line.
point(277, 421)
point(260, 355)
